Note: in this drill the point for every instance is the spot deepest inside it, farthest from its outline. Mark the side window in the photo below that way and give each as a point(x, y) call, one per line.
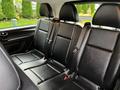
point(16, 13)
point(86, 11)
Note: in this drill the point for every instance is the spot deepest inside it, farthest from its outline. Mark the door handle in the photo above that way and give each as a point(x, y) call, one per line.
point(3, 34)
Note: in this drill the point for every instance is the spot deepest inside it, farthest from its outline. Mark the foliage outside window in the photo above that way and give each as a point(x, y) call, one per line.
point(26, 12)
point(23, 11)
point(2, 16)
point(86, 11)
point(8, 9)
point(38, 9)
point(27, 9)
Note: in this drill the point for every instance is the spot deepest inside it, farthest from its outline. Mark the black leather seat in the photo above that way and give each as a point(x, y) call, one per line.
point(62, 47)
point(41, 37)
point(98, 67)
point(65, 36)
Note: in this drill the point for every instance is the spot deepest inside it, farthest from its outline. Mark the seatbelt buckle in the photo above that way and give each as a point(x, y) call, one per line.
point(66, 77)
point(69, 76)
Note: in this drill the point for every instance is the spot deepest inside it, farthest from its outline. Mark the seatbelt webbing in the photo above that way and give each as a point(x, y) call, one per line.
point(80, 40)
point(80, 48)
point(54, 31)
point(51, 34)
point(80, 52)
point(79, 45)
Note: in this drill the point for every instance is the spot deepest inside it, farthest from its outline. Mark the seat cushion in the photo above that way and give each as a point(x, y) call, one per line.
point(26, 83)
point(29, 60)
point(36, 80)
point(27, 57)
point(32, 64)
point(45, 71)
point(58, 83)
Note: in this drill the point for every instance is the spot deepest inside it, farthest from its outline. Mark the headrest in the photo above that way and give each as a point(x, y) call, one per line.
point(46, 10)
point(68, 13)
point(107, 15)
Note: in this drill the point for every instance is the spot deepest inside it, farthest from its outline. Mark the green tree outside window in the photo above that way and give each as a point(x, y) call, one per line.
point(27, 9)
point(8, 9)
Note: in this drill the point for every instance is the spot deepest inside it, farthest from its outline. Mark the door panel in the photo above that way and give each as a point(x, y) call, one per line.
point(17, 40)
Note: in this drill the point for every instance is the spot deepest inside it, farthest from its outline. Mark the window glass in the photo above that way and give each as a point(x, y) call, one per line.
point(15, 13)
point(86, 11)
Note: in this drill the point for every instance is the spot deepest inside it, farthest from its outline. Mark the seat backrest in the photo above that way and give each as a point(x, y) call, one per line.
point(67, 34)
point(46, 10)
point(44, 28)
point(99, 64)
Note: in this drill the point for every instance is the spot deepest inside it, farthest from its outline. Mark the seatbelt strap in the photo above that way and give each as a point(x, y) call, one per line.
point(56, 23)
point(80, 40)
point(80, 52)
point(51, 26)
point(82, 36)
point(77, 53)
point(49, 40)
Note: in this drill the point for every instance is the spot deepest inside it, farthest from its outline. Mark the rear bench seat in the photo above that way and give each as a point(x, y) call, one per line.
point(63, 37)
point(42, 34)
point(40, 39)
point(99, 63)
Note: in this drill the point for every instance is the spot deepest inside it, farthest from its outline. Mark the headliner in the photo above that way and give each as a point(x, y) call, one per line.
point(57, 4)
